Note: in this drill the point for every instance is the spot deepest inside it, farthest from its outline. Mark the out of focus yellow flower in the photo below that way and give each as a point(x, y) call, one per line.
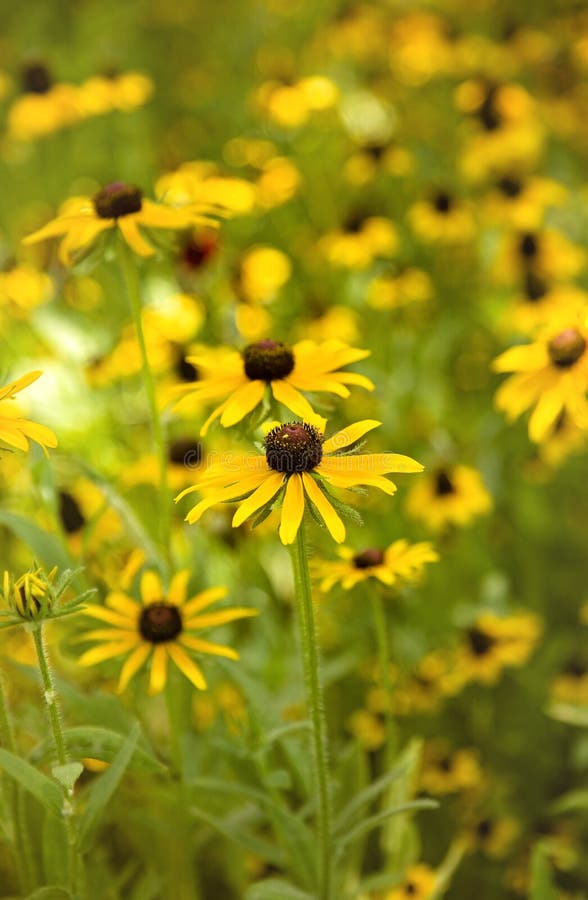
point(447, 771)
point(125, 91)
point(290, 105)
point(420, 48)
point(494, 643)
point(399, 562)
point(368, 728)
point(547, 253)
point(277, 182)
point(540, 303)
point(16, 431)
point(493, 835)
point(377, 159)
point(23, 288)
point(571, 685)
point(521, 201)
point(452, 495)
point(44, 107)
point(442, 219)
point(364, 239)
point(418, 883)
point(339, 320)
point(393, 291)
point(263, 271)
point(199, 183)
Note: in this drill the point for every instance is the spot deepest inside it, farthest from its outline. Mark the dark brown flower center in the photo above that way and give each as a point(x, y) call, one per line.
point(185, 452)
point(535, 287)
point(268, 361)
point(294, 447)
point(488, 114)
point(368, 558)
point(198, 250)
point(186, 370)
point(566, 348)
point(410, 889)
point(443, 202)
point(484, 828)
point(528, 245)
point(36, 78)
point(510, 187)
point(443, 484)
point(160, 622)
point(117, 199)
point(445, 764)
point(70, 513)
point(480, 642)
point(576, 669)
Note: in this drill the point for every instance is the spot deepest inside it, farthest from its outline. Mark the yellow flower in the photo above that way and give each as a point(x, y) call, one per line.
point(399, 561)
point(551, 375)
point(391, 292)
point(16, 431)
point(360, 242)
point(117, 206)
point(241, 380)
point(44, 107)
point(521, 202)
point(452, 495)
point(546, 253)
point(298, 467)
point(539, 303)
point(445, 771)
point(494, 836)
point(367, 728)
point(493, 643)
point(418, 884)
point(571, 685)
point(198, 183)
point(23, 287)
point(160, 628)
point(442, 219)
point(264, 270)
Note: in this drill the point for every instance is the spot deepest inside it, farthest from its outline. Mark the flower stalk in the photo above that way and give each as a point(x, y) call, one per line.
point(315, 710)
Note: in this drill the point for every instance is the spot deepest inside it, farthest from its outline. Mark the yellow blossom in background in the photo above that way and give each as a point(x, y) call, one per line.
point(263, 271)
point(442, 219)
point(451, 495)
point(399, 562)
point(164, 626)
point(198, 184)
point(393, 291)
point(23, 288)
point(367, 728)
point(446, 771)
point(418, 883)
point(360, 243)
point(494, 643)
point(546, 253)
point(16, 431)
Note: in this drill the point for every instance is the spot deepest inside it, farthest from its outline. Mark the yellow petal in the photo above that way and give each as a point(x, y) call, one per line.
point(158, 669)
point(151, 587)
point(203, 600)
point(133, 236)
point(108, 615)
point(349, 435)
point(292, 509)
point(202, 646)
point(286, 394)
point(124, 605)
point(178, 587)
point(14, 387)
point(264, 493)
point(242, 402)
point(187, 666)
point(156, 215)
point(105, 651)
point(56, 227)
point(221, 617)
point(326, 511)
point(132, 665)
point(370, 464)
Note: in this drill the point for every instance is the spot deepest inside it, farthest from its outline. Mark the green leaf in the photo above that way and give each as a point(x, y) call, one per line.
point(99, 743)
point(55, 851)
point(569, 714)
point(276, 889)
point(573, 800)
point(40, 786)
point(104, 788)
point(68, 774)
point(368, 795)
point(375, 821)
point(50, 893)
point(542, 886)
point(45, 547)
point(232, 828)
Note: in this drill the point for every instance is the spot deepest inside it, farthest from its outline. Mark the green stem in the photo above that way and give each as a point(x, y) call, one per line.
point(381, 629)
point(75, 863)
point(315, 710)
point(131, 278)
point(23, 855)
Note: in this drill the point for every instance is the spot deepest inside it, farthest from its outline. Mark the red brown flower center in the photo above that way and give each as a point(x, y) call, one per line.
point(117, 199)
point(268, 361)
point(566, 348)
point(294, 447)
point(160, 622)
point(369, 558)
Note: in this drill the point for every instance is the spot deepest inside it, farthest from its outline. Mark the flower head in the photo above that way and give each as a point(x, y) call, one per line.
point(451, 495)
point(400, 561)
point(240, 380)
point(418, 884)
point(16, 431)
point(36, 596)
point(162, 627)
point(298, 467)
point(119, 206)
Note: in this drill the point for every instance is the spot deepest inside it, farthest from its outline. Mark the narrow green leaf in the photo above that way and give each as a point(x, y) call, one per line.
point(542, 886)
point(104, 788)
point(55, 851)
point(276, 889)
point(234, 831)
point(99, 743)
point(569, 714)
point(375, 821)
point(573, 800)
point(45, 547)
point(40, 786)
point(368, 795)
point(50, 893)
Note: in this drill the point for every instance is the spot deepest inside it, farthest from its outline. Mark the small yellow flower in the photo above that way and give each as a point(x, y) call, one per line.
point(241, 380)
point(264, 270)
point(452, 495)
point(393, 291)
point(550, 375)
point(117, 206)
point(494, 643)
point(367, 728)
point(298, 467)
point(545, 253)
point(23, 288)
point(418, 884)
point(442, 219)
point(161, 628)
point(446, 771)
point(400, 561)
point(364, 239)
point(16, 431)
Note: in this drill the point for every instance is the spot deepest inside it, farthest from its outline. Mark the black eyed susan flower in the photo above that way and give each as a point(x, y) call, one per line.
point(419, 883)
point(16, 431)
point(298, 467)
point(550, 375)
point(164, 626)
point(493, 835)
point(493, 643)
point(452, 495)
point(240, 380)
point(117, 206)
point(442, 219)
point(446, 771)
point(400, 561)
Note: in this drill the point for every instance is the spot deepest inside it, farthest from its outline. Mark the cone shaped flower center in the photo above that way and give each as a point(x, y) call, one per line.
point(118, 199)
point(294, 447)
point(267, 361)
point(443, 484)
point(160, 622)
point(368, 558)
point(480, 642)
point(566, 348)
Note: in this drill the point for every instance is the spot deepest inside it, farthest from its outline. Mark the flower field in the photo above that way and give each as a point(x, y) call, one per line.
point(293, 443)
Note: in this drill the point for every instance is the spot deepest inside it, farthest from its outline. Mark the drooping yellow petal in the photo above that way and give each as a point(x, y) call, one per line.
point(292, 509)
point(151, 587)
point(80, 237)
point(349, 435)
point(124, 605)
point(326, 511)
point(156, 215)
point(14, 387)
point(525, 358)
point(245, 399)
point(353, 479)
point(203, 600)
point(187, 666)
point(545, 414)
point(107, 615)
point(221, 617)
point(132, 665)
point(291, 398)
point(105, 651)
point(203, 646)
point(264, 493)
point(14, 438)
point(158, 674)
point(56, 227)
point(225, 495)
point(133, 236)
